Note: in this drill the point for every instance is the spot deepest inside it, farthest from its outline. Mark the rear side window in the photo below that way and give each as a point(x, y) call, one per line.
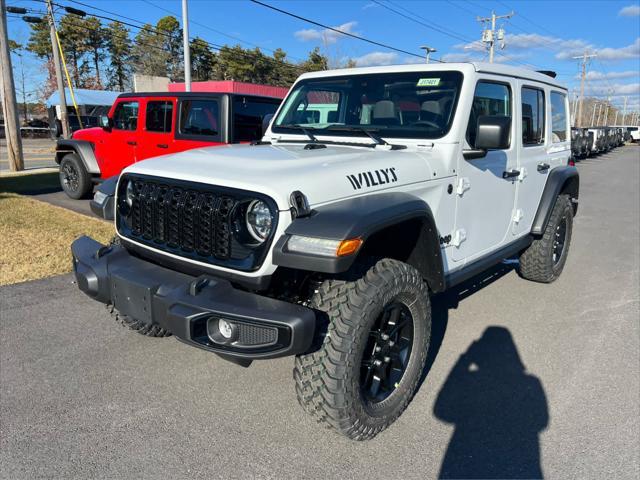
point(199, 118)
point(558, 117)
point(248, 114)
point(125, 116)
point(159, 116)
point(490, 99)
point(532, 116)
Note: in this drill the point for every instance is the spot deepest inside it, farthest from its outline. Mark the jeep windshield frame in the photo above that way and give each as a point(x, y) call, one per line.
point(404, 105)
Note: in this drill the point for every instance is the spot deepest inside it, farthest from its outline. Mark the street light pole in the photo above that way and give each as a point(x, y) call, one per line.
point(428, 51)
point(186, 47)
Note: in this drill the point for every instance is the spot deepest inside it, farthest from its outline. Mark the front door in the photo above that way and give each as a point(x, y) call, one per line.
point(485, 199)
point(119, 149)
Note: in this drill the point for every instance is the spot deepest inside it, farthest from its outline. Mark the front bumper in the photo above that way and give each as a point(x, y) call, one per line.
point(189, 307)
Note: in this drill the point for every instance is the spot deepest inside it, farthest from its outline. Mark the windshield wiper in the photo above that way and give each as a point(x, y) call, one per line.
point(302, 129)
point(370, 132)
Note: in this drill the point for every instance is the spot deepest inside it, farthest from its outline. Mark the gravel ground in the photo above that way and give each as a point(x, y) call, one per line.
point(526, 380)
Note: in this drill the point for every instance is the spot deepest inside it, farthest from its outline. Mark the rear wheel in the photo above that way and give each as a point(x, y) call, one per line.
point(74, 178)
point(371, 359)
point(543, 261)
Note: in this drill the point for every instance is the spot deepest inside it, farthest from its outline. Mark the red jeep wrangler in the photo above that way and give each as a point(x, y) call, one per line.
point(145, 125)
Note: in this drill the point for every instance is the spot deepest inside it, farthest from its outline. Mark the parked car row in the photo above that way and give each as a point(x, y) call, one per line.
point(595, 140)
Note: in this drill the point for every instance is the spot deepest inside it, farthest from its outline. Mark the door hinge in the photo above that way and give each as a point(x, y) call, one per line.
point(458, 237)
point(518, 215)
point(463, 185)
point(523, 174)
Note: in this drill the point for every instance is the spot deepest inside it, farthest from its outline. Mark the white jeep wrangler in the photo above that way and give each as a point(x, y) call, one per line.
point(372, 189)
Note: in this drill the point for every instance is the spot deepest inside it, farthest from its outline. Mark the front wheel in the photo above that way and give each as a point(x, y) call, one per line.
point(372, 357)
point(74, 178)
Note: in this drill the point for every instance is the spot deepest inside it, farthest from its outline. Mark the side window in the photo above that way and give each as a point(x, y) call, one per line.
point(489, 99)
point(199, 117)
point(159, 116)
point(125, 116)
point(532, 116)
point(247, 117)
point(558, 117)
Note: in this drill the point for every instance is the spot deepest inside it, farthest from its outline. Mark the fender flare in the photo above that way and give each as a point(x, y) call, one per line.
point(84, 150)
point(362, 217)
point(560, 180)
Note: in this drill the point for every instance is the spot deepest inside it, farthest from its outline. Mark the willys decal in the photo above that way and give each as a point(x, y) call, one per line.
point(373, 178)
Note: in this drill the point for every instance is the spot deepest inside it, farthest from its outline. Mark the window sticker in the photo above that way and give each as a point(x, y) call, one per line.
point(428, 82)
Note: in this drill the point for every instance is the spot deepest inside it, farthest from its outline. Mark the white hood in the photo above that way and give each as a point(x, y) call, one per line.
point(322, 174)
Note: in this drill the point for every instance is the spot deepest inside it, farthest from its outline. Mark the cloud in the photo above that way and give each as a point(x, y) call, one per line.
point(326, 36)
point(369, 5)
point(625, 53)
point(630, 11)
point(596, 76)
point(376, 58)
point(614, 90)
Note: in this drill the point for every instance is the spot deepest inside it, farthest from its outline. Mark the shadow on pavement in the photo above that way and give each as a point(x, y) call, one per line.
point(496, 407)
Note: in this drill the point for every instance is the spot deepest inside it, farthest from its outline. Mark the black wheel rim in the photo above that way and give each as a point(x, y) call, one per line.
point(559, 240)
point(70, 177)
point(387, 353)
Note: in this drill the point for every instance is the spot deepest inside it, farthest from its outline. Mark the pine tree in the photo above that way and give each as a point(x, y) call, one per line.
point(95, 42)
point(39, 42)
point(119, 48)
point(203, 60)
point(72, 32)
point(148, 54)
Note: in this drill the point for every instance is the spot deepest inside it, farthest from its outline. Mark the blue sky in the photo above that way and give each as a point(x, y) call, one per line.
point(543, 34)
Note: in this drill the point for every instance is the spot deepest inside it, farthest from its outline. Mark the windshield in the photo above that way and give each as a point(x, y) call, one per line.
point(402, 104)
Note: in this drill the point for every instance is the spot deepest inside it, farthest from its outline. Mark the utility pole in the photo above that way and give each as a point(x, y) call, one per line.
point(606, 113)
point(624, 111)
point(64, 118)
point(584, 58)
point(8, 96)
point(489, 35)
point(593, 115)
point(599, 112)
point(186, 47)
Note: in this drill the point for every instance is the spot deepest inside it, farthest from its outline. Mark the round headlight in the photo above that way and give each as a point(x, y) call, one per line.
point(259, 220)
point(128, 196)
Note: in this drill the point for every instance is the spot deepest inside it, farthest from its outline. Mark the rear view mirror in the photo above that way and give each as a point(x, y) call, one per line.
point(266, 120)
point(104, 121)
point(493, 132)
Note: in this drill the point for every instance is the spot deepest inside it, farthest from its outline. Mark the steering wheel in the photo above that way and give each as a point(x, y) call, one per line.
point(429, 123)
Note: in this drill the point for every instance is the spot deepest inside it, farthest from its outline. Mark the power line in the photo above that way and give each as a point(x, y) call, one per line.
point(327, 27)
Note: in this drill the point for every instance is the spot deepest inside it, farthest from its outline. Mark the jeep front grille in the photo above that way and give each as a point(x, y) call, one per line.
point(187, 219)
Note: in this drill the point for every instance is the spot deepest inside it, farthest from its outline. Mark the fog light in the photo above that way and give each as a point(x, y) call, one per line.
point(225, 328)
point(222, 331)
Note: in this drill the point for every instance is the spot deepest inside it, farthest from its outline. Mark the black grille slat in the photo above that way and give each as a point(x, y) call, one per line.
point(187, 220)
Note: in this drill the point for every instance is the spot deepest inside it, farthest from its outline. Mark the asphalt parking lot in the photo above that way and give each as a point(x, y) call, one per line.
point(525, 380)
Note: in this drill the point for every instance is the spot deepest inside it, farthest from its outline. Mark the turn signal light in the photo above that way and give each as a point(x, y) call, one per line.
point(348, 247)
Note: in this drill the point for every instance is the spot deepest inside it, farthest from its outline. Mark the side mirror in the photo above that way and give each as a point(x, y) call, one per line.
point(266, 120)
point(493, 132)
point(104, 121)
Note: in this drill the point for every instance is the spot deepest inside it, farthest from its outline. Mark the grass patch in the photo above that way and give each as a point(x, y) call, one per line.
point(36, 237)
point(30, 183)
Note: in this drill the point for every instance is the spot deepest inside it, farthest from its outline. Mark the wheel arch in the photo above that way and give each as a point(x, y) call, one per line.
point(392, 225)
point(82, 148)
point(561, 180)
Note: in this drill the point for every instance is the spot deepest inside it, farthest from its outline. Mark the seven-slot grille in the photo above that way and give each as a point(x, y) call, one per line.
point(182, 218)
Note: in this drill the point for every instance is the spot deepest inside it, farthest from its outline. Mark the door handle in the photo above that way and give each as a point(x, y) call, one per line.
point(510, 174)
point(162, 145)
point(543, 167)
point(131, 142)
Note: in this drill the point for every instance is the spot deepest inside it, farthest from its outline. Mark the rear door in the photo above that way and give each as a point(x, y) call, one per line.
point(533, 143)
point(119, 148)
point(159, 120)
